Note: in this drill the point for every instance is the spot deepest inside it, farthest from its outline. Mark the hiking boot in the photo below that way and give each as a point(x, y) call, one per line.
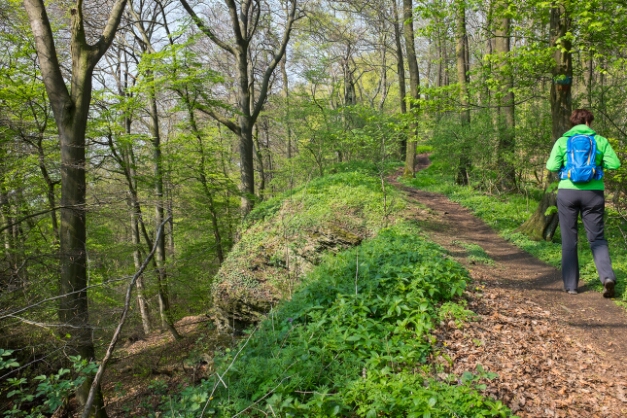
point(608, 288)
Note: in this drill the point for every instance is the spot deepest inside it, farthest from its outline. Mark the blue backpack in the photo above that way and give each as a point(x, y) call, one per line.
point(581, 165)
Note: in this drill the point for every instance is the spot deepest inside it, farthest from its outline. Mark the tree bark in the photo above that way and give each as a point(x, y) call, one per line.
point(70, 109)
point(400, 68)
point(463, 66)
point(506, 120)
point(561, 94)
point(383, 81)
point(414, 86)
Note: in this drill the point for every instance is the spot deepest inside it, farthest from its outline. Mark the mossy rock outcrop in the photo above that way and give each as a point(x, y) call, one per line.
point(287, 236)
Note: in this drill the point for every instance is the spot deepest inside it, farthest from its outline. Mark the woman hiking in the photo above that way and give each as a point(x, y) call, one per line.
point(580, 156)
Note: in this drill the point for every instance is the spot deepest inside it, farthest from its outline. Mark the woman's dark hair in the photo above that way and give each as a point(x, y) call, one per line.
point(581, 117)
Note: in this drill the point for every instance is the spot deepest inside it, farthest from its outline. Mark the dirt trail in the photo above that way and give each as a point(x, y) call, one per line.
point(585, 340)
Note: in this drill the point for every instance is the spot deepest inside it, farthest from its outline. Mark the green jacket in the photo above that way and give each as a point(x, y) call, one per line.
point(606, 158)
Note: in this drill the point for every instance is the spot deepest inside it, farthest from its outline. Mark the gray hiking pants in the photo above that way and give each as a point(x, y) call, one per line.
point(591, 205)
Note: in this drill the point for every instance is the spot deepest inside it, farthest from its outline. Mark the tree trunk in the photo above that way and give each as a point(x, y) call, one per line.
point(414, 86)
point(246, 141)
point(136, 215)
point(590, 77)
point(73, 306)
point(463, 65)
point(288, 126)
point(137, 261)
point(506, 120)
point(70, 109)
point(260, 164)
point(205, 183)
point(540, 226)
point(243, 23)
point(165, 311)
point(384, 74)
point(561, 94)
point(269, 164)
point(400, 68)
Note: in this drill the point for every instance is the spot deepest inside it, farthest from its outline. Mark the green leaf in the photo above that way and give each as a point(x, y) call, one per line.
point(551, 210)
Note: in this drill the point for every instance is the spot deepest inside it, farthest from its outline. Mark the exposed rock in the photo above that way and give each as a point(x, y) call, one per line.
point(272, 259)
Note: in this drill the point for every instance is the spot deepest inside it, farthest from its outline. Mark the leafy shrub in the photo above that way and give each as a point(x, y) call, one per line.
point(51, 392)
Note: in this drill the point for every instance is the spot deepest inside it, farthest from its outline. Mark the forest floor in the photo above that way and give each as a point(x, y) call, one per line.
point(556, 355)
point(145, 370)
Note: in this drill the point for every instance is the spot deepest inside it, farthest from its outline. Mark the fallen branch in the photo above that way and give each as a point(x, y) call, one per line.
point(116, 335)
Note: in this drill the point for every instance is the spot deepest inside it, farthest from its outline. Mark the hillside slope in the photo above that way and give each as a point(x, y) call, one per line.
point(356, 337)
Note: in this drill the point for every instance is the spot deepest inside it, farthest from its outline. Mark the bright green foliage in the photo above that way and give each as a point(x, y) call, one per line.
point(28, 150)
point(598, 82)
point(51, 392)
point(6, 362)
point(328, 135)
point(353, 341)
point(352, 186)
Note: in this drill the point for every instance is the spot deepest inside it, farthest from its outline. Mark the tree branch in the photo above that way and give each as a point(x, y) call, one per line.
point(47, 54)
point(33, 215)
point(205, 29)
point(224, 121)
point(263, 91)
point(257, 14)
point(109, 31)
point(44, 325)
point(237, 31)
point(140, 27)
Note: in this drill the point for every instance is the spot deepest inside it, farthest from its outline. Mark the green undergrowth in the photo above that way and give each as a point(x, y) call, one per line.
point(354, 340)
point(353, 187)
point(476, 254)
point(506, 212)
point(322, 196)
